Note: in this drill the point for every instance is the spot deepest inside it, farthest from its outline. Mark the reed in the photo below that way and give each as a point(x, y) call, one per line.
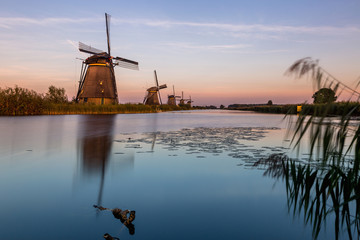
point(329, 183)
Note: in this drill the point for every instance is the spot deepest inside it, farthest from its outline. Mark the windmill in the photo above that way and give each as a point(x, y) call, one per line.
point(97, 79)
point(182, 100)
point(189, 101)
point(172, 98)
point(153, 94)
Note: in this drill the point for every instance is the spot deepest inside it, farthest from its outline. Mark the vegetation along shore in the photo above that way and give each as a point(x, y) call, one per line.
point(330, 109)
point(19, 101)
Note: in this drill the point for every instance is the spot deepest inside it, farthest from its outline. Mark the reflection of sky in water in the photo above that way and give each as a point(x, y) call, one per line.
point(178, 171)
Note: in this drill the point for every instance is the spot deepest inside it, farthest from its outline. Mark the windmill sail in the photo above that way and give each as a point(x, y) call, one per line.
point(88, 49)
point(126, 63)
point(107, 20)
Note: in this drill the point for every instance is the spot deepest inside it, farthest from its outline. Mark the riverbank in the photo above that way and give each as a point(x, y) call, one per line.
point(73, 108)
point(332, 109)
point(19, 101)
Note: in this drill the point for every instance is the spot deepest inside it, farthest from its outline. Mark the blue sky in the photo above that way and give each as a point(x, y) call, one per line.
point(219, 52)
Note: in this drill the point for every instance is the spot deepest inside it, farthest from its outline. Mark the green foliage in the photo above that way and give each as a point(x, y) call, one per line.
point(20, 101)
point(324, 95)
point(270, 103)
point(56, 95)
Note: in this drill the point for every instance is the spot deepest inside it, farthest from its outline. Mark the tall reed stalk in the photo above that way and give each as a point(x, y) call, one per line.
point(328, 185)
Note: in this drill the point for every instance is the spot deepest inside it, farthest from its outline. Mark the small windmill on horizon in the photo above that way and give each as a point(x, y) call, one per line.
point(97, 79)
point(172, 98)
point(184, 101)
point(189, 101)
point(153, 94)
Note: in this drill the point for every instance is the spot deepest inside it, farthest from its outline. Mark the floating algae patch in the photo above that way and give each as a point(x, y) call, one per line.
point(231, 142)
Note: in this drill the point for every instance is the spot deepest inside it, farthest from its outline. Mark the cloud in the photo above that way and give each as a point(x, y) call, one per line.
point(209, 47)
point(8, 22)
point(73, 43)
point(242, 27)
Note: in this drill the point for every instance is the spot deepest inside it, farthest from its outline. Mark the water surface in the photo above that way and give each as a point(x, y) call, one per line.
point(188, 175)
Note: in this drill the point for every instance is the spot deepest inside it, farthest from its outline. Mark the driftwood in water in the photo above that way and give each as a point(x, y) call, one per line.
point(126, 217)
point(109, 237)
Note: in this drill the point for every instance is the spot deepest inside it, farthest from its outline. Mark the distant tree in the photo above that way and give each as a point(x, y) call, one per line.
point(324, 95)
point(222, 106)
point(270, 103)
point(56, 95)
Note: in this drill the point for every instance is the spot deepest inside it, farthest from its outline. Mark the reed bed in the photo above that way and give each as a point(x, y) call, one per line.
point(56, 109)
point(19, 101)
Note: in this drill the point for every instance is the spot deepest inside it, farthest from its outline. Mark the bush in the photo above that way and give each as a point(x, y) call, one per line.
point(20, 101)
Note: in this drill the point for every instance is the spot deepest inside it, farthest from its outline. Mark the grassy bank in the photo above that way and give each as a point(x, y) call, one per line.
point(333, 109)
point(72, 108)
point(22, 102)
point(56, 109)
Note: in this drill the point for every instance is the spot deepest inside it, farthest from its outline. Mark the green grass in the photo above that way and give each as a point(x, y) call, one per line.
point(54, 109)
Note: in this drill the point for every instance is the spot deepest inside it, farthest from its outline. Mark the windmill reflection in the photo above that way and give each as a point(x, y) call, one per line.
point(319, 194)
point(95, 142)
point(95, 145)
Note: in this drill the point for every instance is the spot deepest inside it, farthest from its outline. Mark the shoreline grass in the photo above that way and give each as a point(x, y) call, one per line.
point(78, 109)
point(19, 101)
point(332, 109)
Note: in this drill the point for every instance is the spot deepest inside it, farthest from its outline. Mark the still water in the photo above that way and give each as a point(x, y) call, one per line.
point(187, 175)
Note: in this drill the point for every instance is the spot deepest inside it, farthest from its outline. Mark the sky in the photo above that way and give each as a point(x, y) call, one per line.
point(217, 52)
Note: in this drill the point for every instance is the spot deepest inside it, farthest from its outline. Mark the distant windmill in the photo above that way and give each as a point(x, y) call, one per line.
point(172, 98)
point(182, 100)
point(153, 94)
point(189, 101)
point(97, 79)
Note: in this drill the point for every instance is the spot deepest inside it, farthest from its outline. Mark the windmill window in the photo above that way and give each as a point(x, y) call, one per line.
point(85, 99)
point(101, 82)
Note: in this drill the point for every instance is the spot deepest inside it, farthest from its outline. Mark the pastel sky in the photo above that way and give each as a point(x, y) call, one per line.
point(219, 52)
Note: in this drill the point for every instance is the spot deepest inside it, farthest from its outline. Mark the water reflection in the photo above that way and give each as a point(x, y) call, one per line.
point(319, 194)
point(95, 142)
